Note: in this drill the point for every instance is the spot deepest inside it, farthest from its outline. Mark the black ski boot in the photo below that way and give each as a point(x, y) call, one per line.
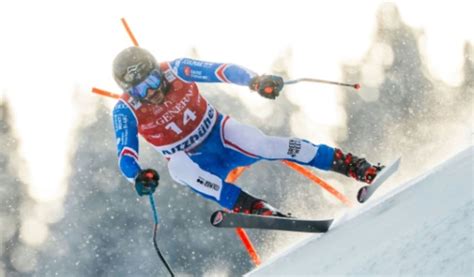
point(248, 204)
point(355, 167)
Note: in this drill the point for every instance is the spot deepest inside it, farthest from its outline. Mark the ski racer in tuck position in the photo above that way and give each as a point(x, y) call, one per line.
point(162, 103)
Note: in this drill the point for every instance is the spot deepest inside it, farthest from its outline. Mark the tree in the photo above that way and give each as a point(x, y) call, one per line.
point(402, 109)
point(13, 195)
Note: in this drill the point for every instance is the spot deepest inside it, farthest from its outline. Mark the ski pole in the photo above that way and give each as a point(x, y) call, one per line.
point(155, 217)
point(290, 82)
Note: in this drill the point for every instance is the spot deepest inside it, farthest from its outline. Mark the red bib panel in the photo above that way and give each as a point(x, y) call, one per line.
point(183, 121)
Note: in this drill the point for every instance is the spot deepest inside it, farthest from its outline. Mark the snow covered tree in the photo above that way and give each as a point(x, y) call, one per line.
point(13, 195)
point(105, 228)
point(402, 109)
point(467, 89)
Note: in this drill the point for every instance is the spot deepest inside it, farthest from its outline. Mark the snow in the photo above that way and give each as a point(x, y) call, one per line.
point(424, 227)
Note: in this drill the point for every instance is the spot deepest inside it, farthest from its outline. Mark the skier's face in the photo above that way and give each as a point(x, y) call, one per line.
point(150, 90)
point(155, 96)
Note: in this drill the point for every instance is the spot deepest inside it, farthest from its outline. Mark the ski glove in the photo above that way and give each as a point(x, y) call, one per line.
point(146, 181)
point(268, 86)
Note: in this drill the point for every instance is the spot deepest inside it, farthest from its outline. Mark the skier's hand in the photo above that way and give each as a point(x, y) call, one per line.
point(146, 181)
point(268, 86)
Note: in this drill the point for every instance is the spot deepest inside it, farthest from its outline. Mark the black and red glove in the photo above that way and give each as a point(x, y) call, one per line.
point(268, 86)
point(146, 181)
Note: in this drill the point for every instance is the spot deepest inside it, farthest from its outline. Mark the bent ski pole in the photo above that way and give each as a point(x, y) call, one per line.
point(290, 82)
point(155, 217)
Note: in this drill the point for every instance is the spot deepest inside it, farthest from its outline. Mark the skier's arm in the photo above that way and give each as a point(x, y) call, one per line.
point(201, 71)
point(126, 134)
point(268, 86)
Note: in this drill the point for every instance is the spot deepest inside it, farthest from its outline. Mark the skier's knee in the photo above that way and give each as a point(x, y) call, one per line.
point(264, 146)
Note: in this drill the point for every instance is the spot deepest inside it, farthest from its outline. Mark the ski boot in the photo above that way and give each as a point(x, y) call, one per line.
point(355, 167)
point(260, 207)
point(248, 204)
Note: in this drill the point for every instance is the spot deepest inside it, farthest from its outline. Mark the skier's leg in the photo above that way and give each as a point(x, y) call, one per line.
point(212, 161)
point(253, 142)
point(186, 172)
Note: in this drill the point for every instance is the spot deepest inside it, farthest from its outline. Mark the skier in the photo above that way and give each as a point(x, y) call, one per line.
point(162, 103)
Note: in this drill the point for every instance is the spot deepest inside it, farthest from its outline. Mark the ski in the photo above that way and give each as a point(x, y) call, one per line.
point(224, 219)
point(366, 192)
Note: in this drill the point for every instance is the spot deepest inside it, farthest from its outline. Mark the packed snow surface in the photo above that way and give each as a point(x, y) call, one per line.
point(422, 227)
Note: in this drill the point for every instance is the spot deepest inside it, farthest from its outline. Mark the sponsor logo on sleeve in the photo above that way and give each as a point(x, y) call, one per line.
point(187, 70)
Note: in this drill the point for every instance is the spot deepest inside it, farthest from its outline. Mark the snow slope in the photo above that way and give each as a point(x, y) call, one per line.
point(423, 227)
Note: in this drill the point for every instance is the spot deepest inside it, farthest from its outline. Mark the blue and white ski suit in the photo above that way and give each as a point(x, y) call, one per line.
point(201, 144)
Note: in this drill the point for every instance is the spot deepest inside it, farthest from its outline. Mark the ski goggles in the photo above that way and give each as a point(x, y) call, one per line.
point(153, 81)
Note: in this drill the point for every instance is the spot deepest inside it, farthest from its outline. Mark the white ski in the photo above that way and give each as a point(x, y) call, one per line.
point(367, 191)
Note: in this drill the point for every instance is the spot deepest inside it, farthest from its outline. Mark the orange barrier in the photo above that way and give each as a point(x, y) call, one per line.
point(307, 173)
point(231, 178)
point(105, 93)
point(129, 32)
point(248, 245)
point(235, 174)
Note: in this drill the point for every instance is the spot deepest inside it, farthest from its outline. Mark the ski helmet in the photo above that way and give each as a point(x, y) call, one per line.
point(133, 65)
